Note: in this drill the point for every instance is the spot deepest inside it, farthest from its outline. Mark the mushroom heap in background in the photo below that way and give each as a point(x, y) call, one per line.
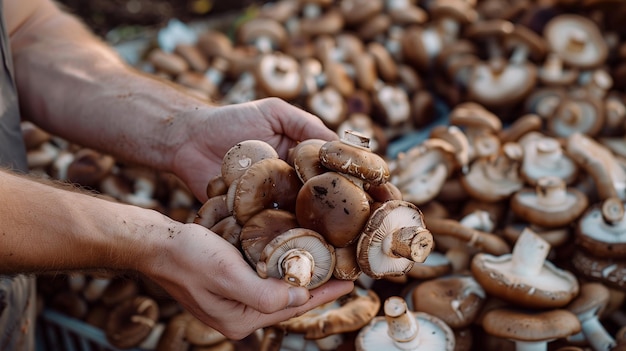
point(503, 121)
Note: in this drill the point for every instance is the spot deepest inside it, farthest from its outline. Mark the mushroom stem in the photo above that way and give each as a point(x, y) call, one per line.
point(596, 334)
point(354, 138)
point(297, 267)
point(529, 253)
point(402, 327)
point(612, 210)
point(531, 346)
point(553, 65)
point(413, 243)
point(551, 191)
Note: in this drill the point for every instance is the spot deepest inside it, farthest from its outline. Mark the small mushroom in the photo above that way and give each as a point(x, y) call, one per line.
point(264, 34)
point(600, 230)
point(131, 321)
point(305, 159)
point(299, 256)
point(530, 330)
point(261, 228)
point(329, 105)
point(279, 75)
point(545, 156)
point(551, 204)
point(574, 114)
point(524, 277)
point(577, 40)
point(401, 329)
point(609, 271)
point(445, 229)
point(393, 239)
point(352, 155)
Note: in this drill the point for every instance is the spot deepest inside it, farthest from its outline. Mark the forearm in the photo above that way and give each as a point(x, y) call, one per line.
point(67, 77)
point(47, 228)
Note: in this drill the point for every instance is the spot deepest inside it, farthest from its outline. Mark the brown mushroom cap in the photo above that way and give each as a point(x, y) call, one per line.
point(299, 256)
point(352, 155)
point(393, 238)
point(530, 326)
point(551, 204)
point(198, 333)
point(456, 300)
point(243, 155)
point(346, 265)
point(590, 302)
point(212, 211)
point(261, 228)
point(524, 277)
point(609, 271)
point(333, 206)
point(577, 40)
point(346, 314)
point(131, 321)
point(305, 159)
point(271, 32)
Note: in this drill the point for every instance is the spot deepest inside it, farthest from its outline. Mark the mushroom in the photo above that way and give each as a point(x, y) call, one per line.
point(299, 256)
point(601, 231)
point(401, 329)
point(524, 277)
point(393, 105)
point(352, 155)
point(348, 313)
point(333, 206)
point(261, 228)
point(200, 334)
point(305, 159)
point(393, 239)
point(576, 114)
point(530, 330)
point(495, 178)
point(551, 204)
point(421, 172)
point(131, 321)
point(481, 127)
point(588, 306)
point(455, 299)
point(329, 105)
point(173, 337)
point(599, 162)
point(268, 183)
point(359, 11)
point(265, 34)
point(577, 40)
point(279, 75)
point(242, 155)
point(212, 211)
point(552, 72)
point(544, 156)
point(361, 123)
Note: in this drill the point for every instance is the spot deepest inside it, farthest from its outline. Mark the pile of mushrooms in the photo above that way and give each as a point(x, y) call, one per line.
point(496, 135)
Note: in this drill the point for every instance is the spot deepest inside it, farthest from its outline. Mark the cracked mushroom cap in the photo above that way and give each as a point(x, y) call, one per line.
point(524, 277)
point(550, 204)
point(577, 40)
point(602, 229)
point(346, 314)
point(456, 299)
point(352, 155)
point(268, 183)
point(333, 206)
point(393, 239)
point(131, 321)
point(299, 256)
point(401, 329)
point(530, 326)
point(242, 155)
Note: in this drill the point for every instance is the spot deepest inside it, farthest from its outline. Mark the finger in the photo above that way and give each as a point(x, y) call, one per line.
point(296, 123)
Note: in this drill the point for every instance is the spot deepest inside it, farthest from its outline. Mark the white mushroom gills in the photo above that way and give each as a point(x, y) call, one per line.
point(401, 329)
point(297, 266)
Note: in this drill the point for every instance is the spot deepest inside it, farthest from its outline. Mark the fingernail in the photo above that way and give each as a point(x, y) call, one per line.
point(298, 296)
